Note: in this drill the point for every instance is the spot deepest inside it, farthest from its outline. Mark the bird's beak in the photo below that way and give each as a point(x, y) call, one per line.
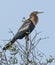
point(40, 12)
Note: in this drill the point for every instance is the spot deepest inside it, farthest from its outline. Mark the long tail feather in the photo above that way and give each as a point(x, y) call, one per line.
point(7, 46)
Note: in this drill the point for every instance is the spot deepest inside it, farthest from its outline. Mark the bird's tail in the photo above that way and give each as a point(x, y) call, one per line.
point(7, 46)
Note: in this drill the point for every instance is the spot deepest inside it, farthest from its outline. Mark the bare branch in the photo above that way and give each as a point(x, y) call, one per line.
point(36, 35)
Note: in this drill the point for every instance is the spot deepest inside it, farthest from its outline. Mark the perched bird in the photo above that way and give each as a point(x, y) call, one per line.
point(27, 26)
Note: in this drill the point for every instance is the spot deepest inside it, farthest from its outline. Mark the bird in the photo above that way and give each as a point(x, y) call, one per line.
point(28, 26)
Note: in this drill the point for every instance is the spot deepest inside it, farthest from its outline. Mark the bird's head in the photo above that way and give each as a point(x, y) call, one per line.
point(34, 17)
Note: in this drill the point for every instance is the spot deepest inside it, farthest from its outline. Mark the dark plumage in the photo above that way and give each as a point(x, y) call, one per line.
point(27, 26)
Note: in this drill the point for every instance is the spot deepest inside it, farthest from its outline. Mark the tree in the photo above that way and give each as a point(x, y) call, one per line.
point(29, 53)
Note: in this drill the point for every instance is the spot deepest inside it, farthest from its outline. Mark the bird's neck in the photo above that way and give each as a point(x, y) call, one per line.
point(35, 20)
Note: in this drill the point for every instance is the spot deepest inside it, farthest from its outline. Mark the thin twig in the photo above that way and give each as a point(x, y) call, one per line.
point(39, 41)
point(41, 52)
point(6, 59)
point(34, 56)
point(36, 35)
point(10, 31)
point(21, 57)
point(20, 46)
point(5, 40)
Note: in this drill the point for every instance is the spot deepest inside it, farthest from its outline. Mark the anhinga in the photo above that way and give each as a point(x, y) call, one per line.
point(27, 26)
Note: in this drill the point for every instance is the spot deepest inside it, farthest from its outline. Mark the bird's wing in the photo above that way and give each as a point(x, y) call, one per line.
point(25, 25)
